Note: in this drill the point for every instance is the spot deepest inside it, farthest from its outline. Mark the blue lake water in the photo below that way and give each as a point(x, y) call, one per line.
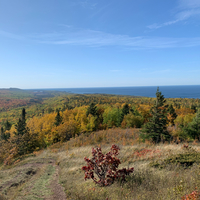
point(189, 91)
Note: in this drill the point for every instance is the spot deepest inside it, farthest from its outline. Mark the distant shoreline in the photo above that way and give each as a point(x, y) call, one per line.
point(182, 91)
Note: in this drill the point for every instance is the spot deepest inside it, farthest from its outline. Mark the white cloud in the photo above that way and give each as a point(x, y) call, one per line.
point(184, 10)
point(100, 39)
point(65, 25)
point(189, 4)
point(93, 38)
point(11, 35)
point(161, 71)
point(115, 70)
point(91, 4)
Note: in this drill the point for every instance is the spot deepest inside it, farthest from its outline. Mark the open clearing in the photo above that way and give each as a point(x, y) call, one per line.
point(56, 174)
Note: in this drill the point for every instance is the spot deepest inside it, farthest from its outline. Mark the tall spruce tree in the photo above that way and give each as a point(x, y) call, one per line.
point(21, 124)
point(26, 142)
point(125, 111)
point(58, 118)
point(7, 125)
point(156, 130)
point(2, 135)
point(92, 109)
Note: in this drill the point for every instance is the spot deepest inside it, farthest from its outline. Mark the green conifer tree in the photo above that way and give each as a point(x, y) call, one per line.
point(194, 107)
point(156, 129)
point(21, 124)
point(193, 128)
point(2, 136)
point(92, 109)
point(125, 111)
point(7, 125)
point(58, 118)
point(26, 142)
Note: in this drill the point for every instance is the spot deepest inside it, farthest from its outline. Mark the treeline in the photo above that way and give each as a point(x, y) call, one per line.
point(64, 117)
point(63, 101)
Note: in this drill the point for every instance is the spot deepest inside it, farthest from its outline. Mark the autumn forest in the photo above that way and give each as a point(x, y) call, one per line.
point(33, 120)
point(46, 134)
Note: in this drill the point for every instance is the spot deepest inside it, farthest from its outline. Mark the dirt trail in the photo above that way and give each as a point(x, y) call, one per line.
point(34, 181)
point(56, 188)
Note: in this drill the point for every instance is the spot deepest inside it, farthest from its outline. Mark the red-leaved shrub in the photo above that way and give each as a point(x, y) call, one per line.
point(105, 167)
point(193, 196)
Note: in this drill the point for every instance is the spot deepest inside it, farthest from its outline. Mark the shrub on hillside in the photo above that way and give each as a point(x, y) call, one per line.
point(105, 166)
point(185, 159)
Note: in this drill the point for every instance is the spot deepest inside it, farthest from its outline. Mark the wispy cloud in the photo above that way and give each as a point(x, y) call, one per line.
point(93, 38)
point(161, 71)
point(184, 10)
point(191, 4)
point(101, 39)
point(193, 71)
point(115, 70)
point(85, 3)
point(11, 35)
point(65, 25)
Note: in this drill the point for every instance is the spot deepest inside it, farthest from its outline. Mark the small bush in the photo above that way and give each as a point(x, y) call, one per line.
point(186, 159)
point(105, 167)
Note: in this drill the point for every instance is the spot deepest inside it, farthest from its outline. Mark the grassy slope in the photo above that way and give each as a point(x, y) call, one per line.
point(147, 183)
point(30, 178)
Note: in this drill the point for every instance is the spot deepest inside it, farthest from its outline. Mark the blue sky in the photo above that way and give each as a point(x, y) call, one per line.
point(99, 43)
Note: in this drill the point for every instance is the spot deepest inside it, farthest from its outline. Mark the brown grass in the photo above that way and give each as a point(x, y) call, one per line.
point(146, 182)
point(171, 182)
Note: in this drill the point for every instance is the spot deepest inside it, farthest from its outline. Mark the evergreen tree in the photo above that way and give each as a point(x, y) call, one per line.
point(156, 129)
point(92, 109)
point(23, 117)
point(172, 113)
point(7, 125)
point(58, 118)
point(194, 107)
point(25, 141)
point(2, 136)
point(21, 124)
point(125, 111)
point(193, 128)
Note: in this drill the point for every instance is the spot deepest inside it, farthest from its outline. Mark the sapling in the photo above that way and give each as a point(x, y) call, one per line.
point(105, 166)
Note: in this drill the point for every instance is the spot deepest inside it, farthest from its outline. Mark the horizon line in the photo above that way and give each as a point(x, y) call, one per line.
point(93, 87)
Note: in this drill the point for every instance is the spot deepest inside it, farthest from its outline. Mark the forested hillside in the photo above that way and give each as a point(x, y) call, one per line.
point(32, 121)
point(41, 133)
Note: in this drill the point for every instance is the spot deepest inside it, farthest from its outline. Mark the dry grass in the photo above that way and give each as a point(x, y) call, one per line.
point(145, 183)
point(28, 179)
point(172, 182)
point(104, 137)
